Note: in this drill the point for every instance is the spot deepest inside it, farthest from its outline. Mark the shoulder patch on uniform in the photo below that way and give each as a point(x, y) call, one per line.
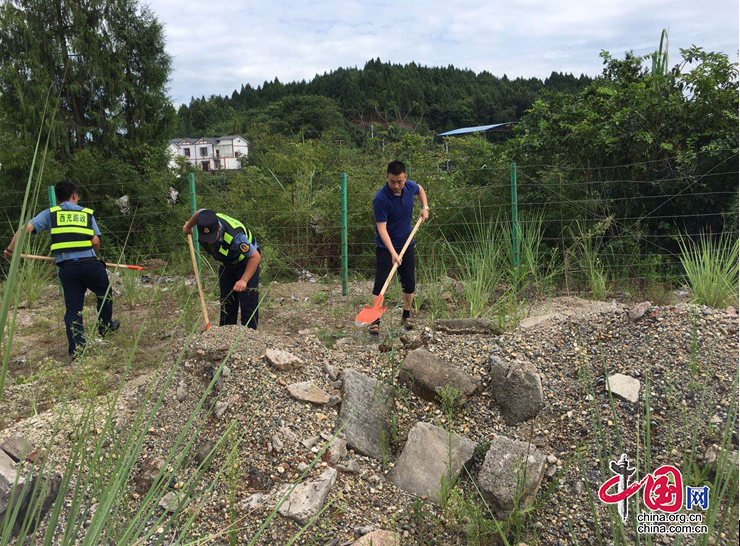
point(244, 247)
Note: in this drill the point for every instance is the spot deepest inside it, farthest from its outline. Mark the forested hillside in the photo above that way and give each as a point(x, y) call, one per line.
point(426, 99)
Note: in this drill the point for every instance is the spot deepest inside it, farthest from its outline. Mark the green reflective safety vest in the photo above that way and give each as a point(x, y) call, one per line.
point(71, 229)
point(221, 250)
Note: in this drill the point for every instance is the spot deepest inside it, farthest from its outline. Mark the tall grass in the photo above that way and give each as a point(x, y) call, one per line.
point(480, 265)
point(711, 266)
point(586, 251)
point(538, 265)
point(35, 275)
point(92, 504)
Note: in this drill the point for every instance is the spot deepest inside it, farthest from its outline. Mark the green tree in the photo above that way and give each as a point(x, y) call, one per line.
point(106, 61)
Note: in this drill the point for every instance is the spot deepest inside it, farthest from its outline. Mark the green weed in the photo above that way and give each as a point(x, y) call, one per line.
point(586, 250)
point(711, 267)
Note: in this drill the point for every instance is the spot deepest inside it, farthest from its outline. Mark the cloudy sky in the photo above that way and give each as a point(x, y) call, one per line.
point(218, 45)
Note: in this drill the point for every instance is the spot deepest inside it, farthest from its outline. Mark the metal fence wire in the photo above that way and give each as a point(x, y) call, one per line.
point(324, 223)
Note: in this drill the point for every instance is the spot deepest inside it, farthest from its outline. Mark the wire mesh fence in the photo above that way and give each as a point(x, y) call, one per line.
point(630, 224)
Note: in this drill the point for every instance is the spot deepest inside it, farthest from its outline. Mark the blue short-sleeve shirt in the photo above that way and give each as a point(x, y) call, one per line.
point(42, 222)
point(242, 244)
point(396, 212)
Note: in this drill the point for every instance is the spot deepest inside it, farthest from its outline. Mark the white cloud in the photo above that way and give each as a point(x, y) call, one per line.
point(219, 45)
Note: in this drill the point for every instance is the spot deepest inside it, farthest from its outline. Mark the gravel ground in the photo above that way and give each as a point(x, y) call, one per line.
point(678, 349)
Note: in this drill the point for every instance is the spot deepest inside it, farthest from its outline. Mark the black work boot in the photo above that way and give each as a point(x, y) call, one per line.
point(110, 328)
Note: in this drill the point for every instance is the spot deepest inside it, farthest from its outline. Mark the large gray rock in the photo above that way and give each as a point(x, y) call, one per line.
point(308, 498)
point(430, 454)
point(17, 447)
point(466, 326)
point(365, 409)
point(624, 386)
point(8, 477)
point(639, 310)
point(40, 496)
point(425, 372)
point(283, 360)
point(306, 391)
point(511, 470)
point(517, 388)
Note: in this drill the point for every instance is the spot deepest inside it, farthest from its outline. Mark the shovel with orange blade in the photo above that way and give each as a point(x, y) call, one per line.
point(371, 314)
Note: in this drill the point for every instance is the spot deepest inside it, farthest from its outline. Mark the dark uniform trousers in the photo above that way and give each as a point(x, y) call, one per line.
point(231, 301)
point(77, 277)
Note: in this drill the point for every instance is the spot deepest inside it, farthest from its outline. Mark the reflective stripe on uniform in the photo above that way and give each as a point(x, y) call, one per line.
point(71, 229)
point(71, 244)
point(81, 231)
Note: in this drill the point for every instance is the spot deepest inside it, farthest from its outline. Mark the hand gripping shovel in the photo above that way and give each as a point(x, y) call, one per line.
point(371, 314)
point(197, 281)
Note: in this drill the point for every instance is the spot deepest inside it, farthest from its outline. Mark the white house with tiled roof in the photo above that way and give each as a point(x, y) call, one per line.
point(211, 154)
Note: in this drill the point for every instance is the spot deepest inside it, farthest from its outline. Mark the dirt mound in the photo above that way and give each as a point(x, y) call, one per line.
point(675, 350)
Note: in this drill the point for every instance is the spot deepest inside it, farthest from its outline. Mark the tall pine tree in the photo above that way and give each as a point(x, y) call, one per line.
point(106, 59)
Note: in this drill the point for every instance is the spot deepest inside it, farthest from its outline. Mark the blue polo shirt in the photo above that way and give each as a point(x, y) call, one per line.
point(42, 222)
point(396, 211)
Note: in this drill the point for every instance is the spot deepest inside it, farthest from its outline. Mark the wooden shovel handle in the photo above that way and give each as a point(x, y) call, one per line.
point(50, 259)
point(400, 255)
point(197, 280)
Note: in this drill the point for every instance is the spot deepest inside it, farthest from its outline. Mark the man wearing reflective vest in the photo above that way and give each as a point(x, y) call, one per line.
point(235, 248)
point(75, 241)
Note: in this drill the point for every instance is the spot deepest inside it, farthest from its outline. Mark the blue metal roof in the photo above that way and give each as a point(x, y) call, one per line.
point(478, 129)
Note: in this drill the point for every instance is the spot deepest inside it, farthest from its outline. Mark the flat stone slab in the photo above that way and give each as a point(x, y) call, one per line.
point(517, 388)
point(365, 409)
point(466, 326)
point(425, 372)
point(511, 470)
point(531, 322)
point(308, 498)
point(624, 386)
point(306, 391)
point(430, 453)
point(17, 447)
point(283, 360)
point(379, 538)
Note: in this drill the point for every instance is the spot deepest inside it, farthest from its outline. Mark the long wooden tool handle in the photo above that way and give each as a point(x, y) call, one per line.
point(50, 259)
point(197, 281)
point(403, 251)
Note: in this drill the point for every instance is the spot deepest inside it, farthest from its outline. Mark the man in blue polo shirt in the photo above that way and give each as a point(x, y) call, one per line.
point(393, 207)
point(75, 240)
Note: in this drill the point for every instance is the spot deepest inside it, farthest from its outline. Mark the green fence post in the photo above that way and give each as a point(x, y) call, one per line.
point(345, 253)
point(193, 208)
point(515, 224)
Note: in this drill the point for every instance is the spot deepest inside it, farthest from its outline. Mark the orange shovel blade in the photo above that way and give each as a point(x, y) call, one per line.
point(370, 314)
